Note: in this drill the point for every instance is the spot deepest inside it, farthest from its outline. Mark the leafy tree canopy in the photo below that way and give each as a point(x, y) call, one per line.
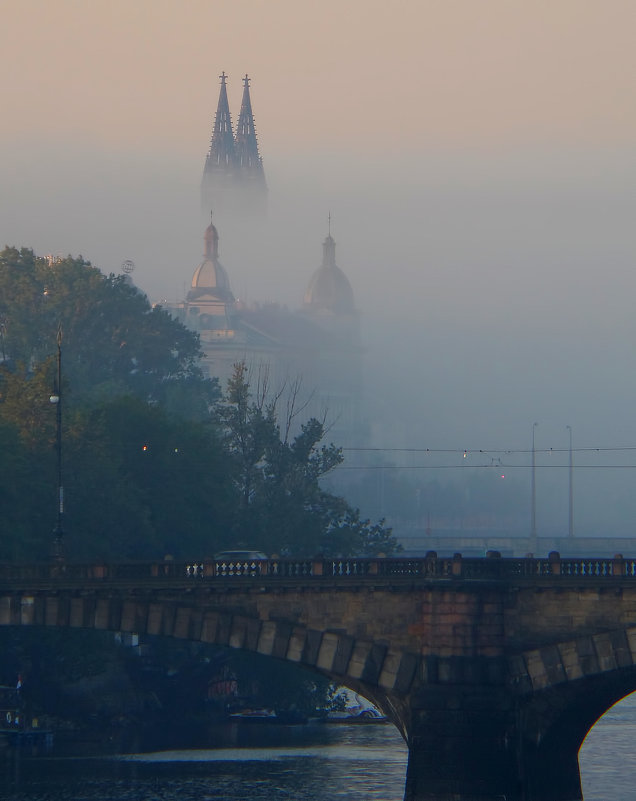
point(114, 341)
point(282, 506)
point(147, 469)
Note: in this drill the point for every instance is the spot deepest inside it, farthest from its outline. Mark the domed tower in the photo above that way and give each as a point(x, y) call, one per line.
point(337, 372)
point(210, 302)
point(329, 297)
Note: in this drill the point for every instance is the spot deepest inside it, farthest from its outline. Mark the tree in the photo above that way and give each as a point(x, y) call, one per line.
point(283, 507)
point(114, 341)
point(143, 484)
point(147, 470)
point(139, 484)
point(25, 401)
point(27, 436)
point(21, 485)
point(130, 376)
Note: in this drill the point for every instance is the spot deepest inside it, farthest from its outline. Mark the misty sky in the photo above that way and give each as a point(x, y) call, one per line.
point(478, 160)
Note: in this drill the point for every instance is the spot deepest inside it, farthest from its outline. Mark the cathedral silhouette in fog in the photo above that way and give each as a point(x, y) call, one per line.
point(318, 343)
point(233, 176)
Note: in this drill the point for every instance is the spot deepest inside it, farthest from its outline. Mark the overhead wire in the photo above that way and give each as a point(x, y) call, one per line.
point(494, 450)
point(485, 466)
point(495, 463)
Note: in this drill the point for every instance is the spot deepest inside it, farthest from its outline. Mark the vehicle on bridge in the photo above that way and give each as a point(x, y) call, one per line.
point(239, 556)
point(239, 563)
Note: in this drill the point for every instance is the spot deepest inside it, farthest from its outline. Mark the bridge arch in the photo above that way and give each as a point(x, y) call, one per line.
point(371, 668)
point(563, 690)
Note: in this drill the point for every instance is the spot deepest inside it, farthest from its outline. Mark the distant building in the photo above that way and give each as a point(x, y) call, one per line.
point(233, 180)
point(318, 344)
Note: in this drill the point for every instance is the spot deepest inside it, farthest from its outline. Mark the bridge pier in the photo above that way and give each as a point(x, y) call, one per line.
point(471, 743)
point(551, 771)
point(461, 746)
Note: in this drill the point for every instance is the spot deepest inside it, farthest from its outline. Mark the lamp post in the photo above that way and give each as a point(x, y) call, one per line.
point(533, 496)
point(571, 489)
point(56, 399)
point(3, 328)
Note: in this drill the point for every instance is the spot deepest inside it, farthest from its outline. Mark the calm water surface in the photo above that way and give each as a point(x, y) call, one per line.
point(303, 763)
point(608, 755)
point(299, 763)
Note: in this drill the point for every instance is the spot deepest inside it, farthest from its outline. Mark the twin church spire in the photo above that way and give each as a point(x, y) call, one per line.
point(234, 186)
point(233, 177)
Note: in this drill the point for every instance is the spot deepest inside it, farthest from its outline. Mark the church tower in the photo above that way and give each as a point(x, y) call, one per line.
point(233, 183)
point(329, 300)
point(338, 374)
point(250, 171)
point(218, 173)
point(210, 300)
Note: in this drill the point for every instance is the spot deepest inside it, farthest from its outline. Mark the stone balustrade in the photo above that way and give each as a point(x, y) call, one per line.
point(492, 567)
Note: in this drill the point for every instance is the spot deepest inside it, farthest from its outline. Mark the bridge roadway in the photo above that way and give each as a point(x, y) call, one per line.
point(493, 669)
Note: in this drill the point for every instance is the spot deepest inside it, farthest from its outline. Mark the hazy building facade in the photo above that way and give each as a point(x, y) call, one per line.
point(316, 348)
point(233, 181)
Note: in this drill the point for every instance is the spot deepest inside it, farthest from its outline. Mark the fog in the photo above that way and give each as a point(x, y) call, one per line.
point(495, 290)
point(477, 161)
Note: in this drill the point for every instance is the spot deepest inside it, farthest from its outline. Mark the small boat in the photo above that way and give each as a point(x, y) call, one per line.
point(286, 717)
point(17, 730)
point(253, 716)
point(356, 716)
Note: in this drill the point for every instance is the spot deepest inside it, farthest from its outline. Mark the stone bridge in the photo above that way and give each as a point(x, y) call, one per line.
point(493, 669)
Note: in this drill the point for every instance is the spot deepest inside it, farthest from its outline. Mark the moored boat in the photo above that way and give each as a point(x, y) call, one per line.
point(18, 730)
point(369, 715)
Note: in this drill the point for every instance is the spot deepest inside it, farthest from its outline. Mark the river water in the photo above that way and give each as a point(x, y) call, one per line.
point(292, 763)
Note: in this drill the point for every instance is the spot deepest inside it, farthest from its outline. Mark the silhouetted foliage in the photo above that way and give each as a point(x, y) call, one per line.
point(282, 507)
point(114, 341)
point(153, 463)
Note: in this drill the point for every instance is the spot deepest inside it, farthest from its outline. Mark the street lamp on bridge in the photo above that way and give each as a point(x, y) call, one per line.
point(571, 489)
point(56, 399)
point(533, 496)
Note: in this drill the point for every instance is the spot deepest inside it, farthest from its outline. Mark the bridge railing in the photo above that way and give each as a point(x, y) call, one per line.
point(491, 567)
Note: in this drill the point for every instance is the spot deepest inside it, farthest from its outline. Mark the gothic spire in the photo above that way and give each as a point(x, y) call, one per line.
point(221, 159)
point(222, 143)
point(247, 156)
point(233, 180)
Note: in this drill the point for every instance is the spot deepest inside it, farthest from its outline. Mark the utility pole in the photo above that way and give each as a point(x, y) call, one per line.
point(533, 499)
point(56, 399)
point(571, 489)
point(3, 328)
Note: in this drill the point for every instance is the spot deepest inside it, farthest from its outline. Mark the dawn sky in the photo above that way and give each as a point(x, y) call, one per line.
point(358, 74)
point(478, 159)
